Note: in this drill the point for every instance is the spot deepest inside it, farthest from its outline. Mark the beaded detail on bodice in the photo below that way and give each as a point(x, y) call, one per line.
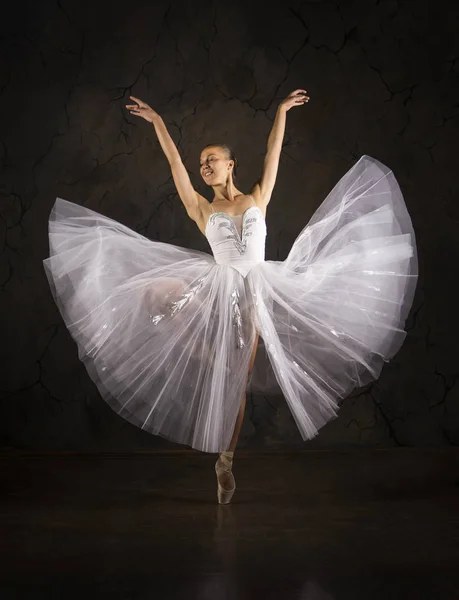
point(239, 240)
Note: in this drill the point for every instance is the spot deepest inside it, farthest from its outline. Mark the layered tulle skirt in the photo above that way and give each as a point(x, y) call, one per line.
point(167, 334)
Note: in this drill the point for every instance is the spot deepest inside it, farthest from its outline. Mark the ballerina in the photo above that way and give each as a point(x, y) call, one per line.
point(169, 335)
point(217, 166)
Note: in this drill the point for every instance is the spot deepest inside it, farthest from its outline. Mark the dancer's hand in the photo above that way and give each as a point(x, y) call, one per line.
point(142, 110)
point(296, 98)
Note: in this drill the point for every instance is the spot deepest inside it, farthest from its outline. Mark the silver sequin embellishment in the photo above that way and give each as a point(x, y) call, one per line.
point(239, 241)
point(177, 305)
point(237, 318)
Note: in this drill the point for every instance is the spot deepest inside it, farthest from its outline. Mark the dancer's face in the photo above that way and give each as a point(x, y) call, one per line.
point(215, 166)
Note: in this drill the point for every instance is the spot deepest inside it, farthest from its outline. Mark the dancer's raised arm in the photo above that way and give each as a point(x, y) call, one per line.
point(271, 164)
point(182, 181)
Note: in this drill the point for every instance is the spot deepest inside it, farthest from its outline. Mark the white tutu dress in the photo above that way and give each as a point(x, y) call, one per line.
point(166, 333)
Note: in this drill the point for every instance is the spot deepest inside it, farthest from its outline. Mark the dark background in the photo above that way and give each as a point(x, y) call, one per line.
point(383, 81)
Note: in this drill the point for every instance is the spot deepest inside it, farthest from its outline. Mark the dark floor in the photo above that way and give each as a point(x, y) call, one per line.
point(374, 524)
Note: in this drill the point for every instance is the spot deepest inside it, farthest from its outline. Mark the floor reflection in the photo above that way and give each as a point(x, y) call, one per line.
point(312, 526)
point(230, 584)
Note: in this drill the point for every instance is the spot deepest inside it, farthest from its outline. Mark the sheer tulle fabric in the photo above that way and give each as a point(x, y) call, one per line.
point(167, 334)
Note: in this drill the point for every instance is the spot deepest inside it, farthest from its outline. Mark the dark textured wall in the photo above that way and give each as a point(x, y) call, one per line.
point(383, 81)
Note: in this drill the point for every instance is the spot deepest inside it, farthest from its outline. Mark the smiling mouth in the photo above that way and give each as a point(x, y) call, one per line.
point(208, 173)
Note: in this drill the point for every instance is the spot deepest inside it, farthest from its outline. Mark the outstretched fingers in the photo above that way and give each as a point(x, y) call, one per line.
point(300, 96)
point(139, 102)
point(295, 92)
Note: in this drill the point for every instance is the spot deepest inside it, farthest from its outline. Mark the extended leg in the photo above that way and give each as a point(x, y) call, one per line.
point(240, 416)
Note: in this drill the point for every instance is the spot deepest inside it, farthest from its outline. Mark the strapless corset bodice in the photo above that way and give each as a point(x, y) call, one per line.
point(237, 241)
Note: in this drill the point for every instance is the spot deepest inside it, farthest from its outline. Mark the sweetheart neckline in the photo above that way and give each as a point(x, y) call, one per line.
point(221, 212)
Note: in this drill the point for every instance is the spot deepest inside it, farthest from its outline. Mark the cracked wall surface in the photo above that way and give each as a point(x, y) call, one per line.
point(383, 81)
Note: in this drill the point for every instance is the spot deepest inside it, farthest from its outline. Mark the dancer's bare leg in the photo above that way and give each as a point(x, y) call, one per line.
point(226, 479)
point(240, 416)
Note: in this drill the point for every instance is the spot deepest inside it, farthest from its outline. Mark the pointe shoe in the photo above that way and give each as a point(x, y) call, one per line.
point(224, 465)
